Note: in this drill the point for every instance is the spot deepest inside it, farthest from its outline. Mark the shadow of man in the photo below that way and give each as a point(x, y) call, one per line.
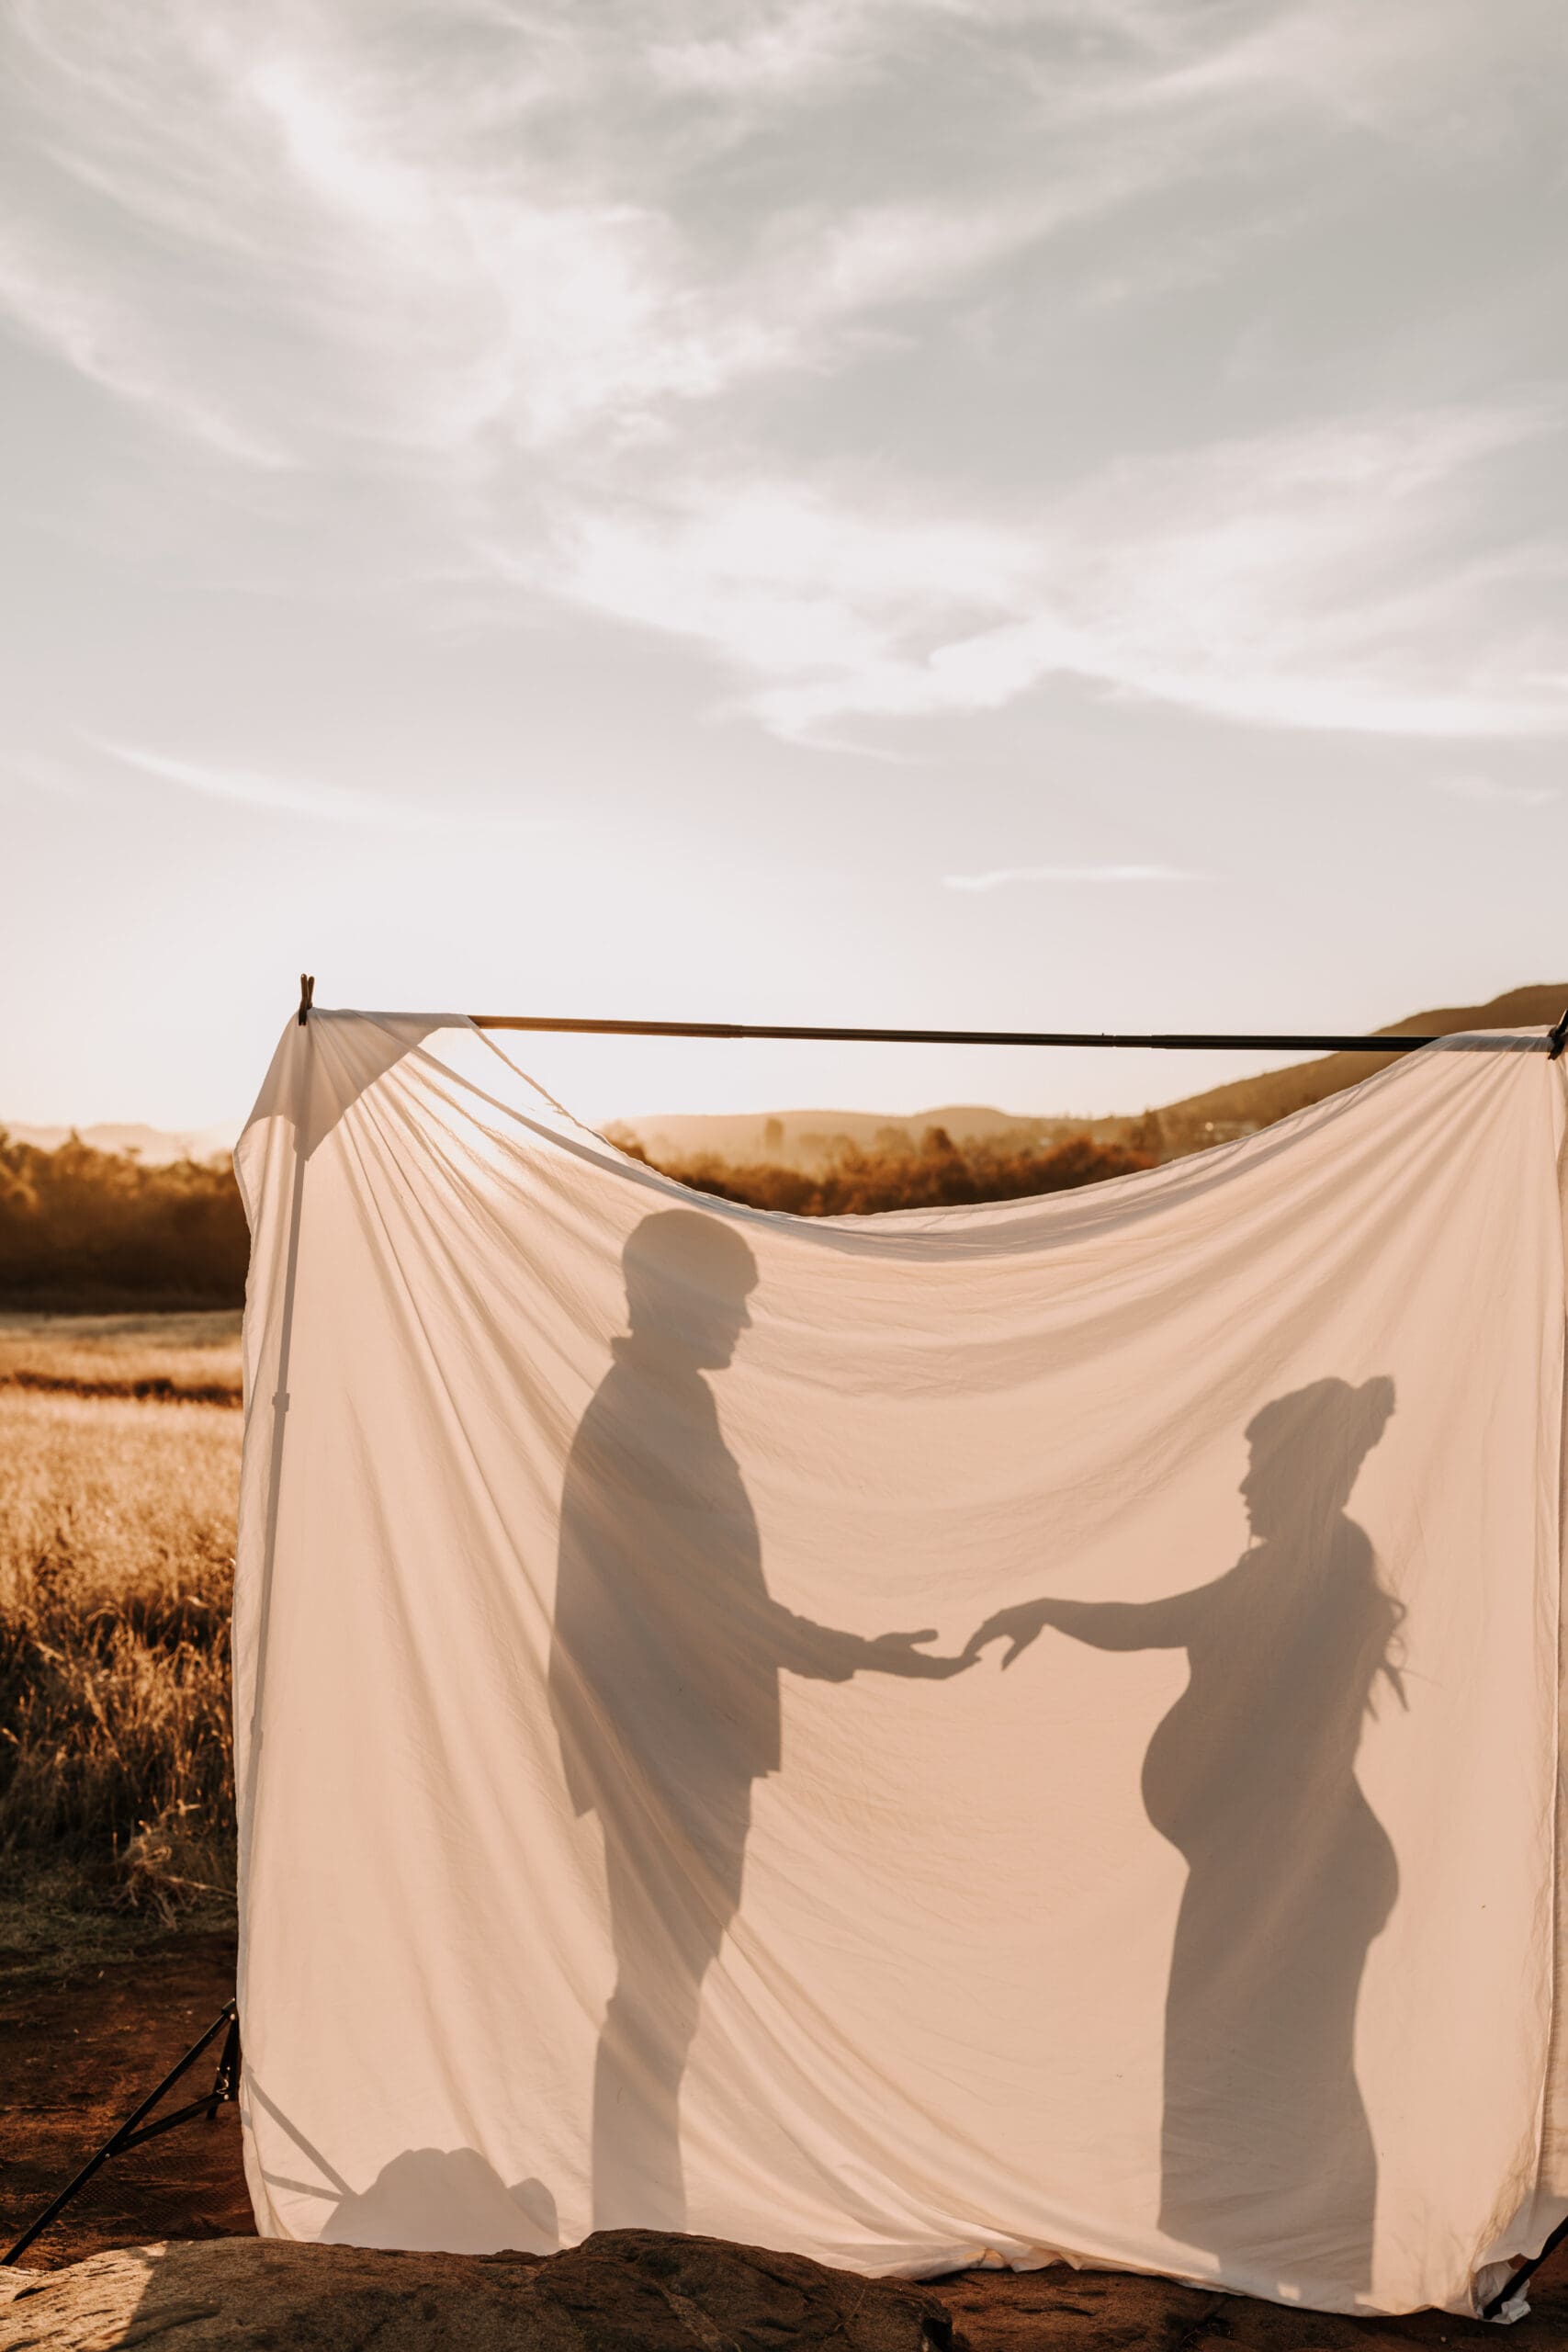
point(664, 1682)
point(1266, 2150)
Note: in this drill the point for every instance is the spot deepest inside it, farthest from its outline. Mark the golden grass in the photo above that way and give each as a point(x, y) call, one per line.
point(192, 1355)
point(117, 1540)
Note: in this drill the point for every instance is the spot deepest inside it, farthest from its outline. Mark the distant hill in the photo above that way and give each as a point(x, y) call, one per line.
point(805, 1139)
point(158, 1147)
point(1275, 1094)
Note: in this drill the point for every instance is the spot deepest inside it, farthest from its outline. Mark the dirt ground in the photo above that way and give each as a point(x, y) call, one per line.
point(78, 2048)
point(77, 2053)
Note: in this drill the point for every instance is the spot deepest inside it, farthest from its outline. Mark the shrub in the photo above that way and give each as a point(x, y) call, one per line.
point(80, 1228)
point(937, 1173)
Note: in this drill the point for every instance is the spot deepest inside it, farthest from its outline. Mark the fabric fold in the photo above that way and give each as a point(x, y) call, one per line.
point(1013, 1732)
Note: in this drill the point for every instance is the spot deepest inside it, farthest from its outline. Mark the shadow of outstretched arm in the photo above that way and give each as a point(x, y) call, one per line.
point(823, 1654)
point(1166, 1624)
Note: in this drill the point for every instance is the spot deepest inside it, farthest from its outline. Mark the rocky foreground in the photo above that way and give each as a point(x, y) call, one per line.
point(625, 2290)
point(639, 2290)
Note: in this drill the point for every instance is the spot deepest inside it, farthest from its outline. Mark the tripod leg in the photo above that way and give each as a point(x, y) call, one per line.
point(127, 2132)
point(1510, 2286)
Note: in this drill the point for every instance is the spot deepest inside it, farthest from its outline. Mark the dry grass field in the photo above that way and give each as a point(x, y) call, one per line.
point(191, 1356)
point(117, 1541)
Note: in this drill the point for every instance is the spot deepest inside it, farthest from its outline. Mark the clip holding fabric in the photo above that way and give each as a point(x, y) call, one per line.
point(1558, 1039)
point(308, 993)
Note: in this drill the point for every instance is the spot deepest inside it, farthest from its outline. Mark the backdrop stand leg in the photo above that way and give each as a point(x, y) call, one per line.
point(1511, 2286)
point(135, 2130)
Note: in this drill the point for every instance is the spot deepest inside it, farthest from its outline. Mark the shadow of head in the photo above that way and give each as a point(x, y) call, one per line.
point(446, 2201)
point(688, 1279)
point(1307, 1451)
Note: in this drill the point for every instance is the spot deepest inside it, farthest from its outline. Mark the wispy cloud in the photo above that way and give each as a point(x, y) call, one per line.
point(1316, 578)
point(1001, 875)
point(1492, 793)
point(308, 796)
point(597, 297)
point(440, 258)
point(782, 53)
point(299, 796)
point(96, 332)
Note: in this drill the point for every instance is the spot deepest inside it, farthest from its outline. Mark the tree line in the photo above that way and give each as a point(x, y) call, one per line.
point(936, 1172)
point(101, 1230)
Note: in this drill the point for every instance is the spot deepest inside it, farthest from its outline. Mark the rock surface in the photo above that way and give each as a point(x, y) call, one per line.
point(622, 2290)
point(638, 2291)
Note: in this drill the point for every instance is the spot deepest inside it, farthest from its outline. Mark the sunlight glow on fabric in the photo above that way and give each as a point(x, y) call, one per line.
point(999, 1732)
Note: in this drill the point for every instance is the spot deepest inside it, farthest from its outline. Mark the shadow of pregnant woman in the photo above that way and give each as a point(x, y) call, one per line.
point(1266, 2156)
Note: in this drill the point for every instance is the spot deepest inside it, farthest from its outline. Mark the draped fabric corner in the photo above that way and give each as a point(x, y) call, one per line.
point(1014, 1731)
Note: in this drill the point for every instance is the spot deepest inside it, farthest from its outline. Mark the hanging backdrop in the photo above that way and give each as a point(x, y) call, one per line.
point(986, 1734)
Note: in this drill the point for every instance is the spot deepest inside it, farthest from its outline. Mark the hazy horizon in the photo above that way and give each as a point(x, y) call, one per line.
point(222, 1132)
point(1216, 1067)
point(959, 513)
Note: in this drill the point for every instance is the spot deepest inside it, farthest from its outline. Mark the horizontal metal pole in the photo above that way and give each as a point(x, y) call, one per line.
point(1175, 1041)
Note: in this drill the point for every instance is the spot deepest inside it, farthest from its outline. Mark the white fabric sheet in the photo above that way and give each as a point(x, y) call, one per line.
point(616, 1847)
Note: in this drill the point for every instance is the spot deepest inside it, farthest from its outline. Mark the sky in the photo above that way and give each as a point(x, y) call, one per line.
point(947, 513)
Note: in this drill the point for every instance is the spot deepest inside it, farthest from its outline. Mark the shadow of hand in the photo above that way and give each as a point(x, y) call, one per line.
point(897, 1654)
point(1018, 1627)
